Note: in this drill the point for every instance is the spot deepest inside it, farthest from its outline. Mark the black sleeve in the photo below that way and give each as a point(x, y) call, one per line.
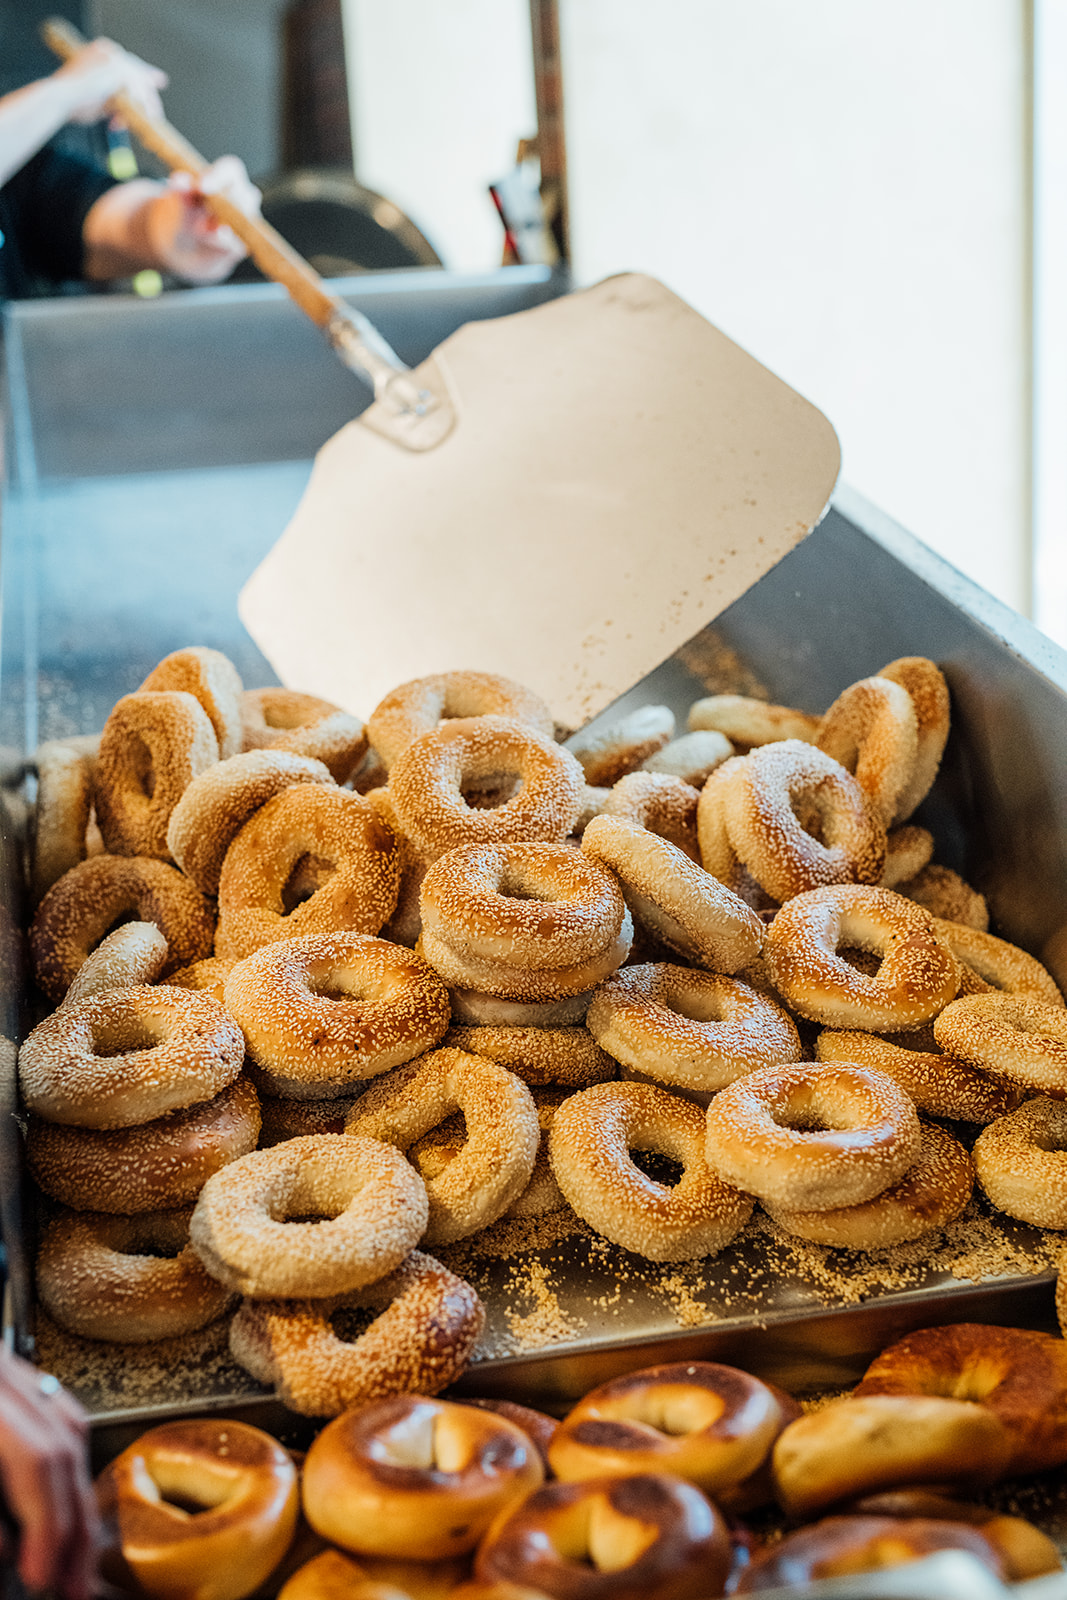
point(46, 204)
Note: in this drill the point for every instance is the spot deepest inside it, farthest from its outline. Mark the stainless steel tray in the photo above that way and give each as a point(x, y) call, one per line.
point(127, 531)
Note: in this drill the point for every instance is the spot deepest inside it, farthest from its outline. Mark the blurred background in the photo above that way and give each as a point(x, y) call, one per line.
point(870, 198)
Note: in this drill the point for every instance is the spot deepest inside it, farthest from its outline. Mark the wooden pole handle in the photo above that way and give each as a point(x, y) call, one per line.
point(272, 254)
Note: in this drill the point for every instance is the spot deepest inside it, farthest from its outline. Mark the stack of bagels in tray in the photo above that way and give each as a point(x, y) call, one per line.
point(637, 1494)
point(454, 972)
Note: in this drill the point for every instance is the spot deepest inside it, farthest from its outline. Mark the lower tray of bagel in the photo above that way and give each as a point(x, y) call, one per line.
point(690, 1479)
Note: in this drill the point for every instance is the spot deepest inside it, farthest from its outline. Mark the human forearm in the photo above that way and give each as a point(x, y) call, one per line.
point(29, 117)
point(168, 226)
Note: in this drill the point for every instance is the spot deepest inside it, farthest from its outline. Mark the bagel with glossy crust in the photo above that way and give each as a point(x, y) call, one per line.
point(1018, 1374)
point(415, 1478)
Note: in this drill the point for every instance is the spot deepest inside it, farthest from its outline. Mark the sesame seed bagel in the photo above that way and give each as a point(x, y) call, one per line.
point(568, 1055)
point(1017, 1374)
point(153, 745)
point(916, 977)
point(431, 1154)
point(674, 899)
point(907, 851)
point(155, 1166)
point(940, 1084)
point(934, 1191)
point(416, 1478)
point(81, 909)
point(243, 1486)
point(127, 1279)
point(128, 1057)
point(429, 777)
point(747, 722)
point(420, 706)
point(692, 758)
point(349, 860)
point(1012, 1036)
point(945, 895)
point(717, 854)
point(135, 953)
point(884, 1441)
point(205, 977)
point(526, 984)
point(405, 924)
point(660, 803)
point(213, 680)
point(763, 803)
point(369, 1205)
point(218, 803)
point(646, 1537)
point(872, 729)
point(812, 1137)
point(609, 753)
point(926, 685)
point(995, 963)
point(321, 1014)
point(1021, 1161)
point(710, 1424)
point(285, 719)
point(592, 1136)
point(498, 1158)
point(687, 1029)
point(429, 1323)
point(530, 905)
point(61, 815)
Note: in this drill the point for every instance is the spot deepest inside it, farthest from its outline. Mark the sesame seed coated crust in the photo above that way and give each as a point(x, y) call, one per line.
point(871, 728)
point(530, 905)
point(79, 910)
point(423, 1339)
point(135, 953)
point(502, 1134)
point(303, 725)
point(1012, 1036)
point(512, 982)
point(592, 1135)
point(672, 898)
point(566, 1055)
point(427, 783)
point(688, 1029)
point(812, 1137)
point(916, 978)
point(610, 753)
point(153, 745)
point(355, 871)
point(940, 1084)
point(105, 1277)
point(925, 683)
point(217, 804)
point(933, 1191)
point(213, 680)
point(762, 800)
point(1021, 1161)
point(994, 962)
point(370, 1202)
point(661, 803)
point(418, 707)
point(321, 1014)
point(64, 800)
point(129, 1056)
point(154, 1166)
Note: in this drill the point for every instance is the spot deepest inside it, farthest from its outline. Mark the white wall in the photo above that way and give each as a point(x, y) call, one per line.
point(841, 186)
point(441, 92)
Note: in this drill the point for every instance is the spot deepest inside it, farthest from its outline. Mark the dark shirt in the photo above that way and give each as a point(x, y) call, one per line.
point(42, 210)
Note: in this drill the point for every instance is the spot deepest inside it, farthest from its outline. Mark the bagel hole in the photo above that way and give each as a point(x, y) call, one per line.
point(342, 984)
point(798, 1121)
point(515, 885)
point(810, 814)
point(866, 962)
point(662, 1169)
point(310, 873)
point(350, 1323)
point(141, 765)
point(489, 790)
point(122, 1036)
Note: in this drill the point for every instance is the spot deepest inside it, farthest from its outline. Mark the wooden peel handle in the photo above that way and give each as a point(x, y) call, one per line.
point(274, 257)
